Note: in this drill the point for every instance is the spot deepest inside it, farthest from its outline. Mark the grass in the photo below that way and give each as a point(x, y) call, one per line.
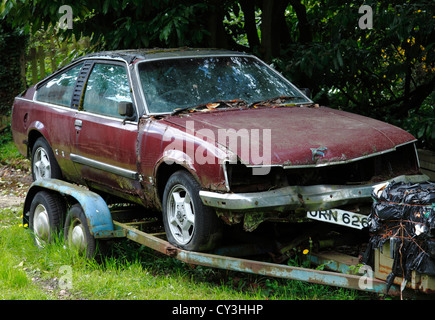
point(9, 154)
point(128, 272)
point(15, 280)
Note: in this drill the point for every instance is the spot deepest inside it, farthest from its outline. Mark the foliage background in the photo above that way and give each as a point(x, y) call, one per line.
point(387, 72)
point(12, 46)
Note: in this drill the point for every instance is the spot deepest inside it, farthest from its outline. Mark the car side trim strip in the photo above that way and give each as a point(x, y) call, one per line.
point(105, 167)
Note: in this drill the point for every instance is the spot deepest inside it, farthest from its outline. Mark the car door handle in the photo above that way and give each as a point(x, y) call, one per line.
point(78, 125)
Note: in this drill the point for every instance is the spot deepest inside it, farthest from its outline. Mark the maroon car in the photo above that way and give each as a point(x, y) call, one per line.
point(208, 137)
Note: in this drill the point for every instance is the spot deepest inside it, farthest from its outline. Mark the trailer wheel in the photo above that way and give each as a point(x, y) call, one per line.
point(45, 216)
point(188, 223)
point(77, 234)
point(43, 162)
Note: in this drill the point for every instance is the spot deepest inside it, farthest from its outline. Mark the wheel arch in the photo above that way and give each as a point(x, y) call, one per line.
point(28, 201)
point(162, 174)
point(94, 207)
point(33, 135)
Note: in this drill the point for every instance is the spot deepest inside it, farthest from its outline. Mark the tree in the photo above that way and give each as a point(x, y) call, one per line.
point(387, 72)
point(12, 76)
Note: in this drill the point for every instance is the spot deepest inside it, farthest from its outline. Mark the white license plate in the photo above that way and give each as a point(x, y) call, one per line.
point(342, 217)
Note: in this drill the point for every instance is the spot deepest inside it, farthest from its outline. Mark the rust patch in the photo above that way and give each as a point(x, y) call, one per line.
point(171, 251)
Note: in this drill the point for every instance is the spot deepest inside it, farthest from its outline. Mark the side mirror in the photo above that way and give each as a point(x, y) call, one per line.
point(306, 91)
point(125, 109)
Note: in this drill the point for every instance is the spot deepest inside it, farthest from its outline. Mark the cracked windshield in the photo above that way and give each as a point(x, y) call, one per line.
point(169, 85)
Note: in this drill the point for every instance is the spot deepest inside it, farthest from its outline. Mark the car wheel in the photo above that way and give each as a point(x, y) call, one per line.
point(77, 234)
point(45, 216)
point(188, 223)
point(43, 162)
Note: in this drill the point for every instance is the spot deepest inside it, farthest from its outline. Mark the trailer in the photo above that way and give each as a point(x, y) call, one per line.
point(87, 219)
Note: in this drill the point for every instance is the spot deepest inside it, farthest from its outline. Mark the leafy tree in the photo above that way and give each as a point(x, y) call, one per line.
point(12, 78)
point(387, 72)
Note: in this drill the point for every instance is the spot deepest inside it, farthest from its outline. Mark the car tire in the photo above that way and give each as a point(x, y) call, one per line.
point(77, 233)
point(43, 162)
point(45, 216)
point(188, 223)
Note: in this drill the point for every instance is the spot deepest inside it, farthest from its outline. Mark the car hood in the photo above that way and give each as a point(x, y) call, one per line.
point(293, 135)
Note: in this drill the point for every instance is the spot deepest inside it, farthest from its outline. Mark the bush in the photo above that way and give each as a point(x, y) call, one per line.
point(12, 51)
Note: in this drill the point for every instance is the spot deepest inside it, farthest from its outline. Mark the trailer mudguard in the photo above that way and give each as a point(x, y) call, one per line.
point(94, 207)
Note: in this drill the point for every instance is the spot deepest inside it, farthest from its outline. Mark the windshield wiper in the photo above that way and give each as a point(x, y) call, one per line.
point(213, 105)
point(276, 100)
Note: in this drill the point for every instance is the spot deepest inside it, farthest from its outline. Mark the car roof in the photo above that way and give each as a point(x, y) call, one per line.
point(131, 55)
point(135, 55)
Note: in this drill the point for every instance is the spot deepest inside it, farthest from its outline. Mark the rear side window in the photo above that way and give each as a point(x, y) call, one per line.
point(58, 90)
point(106, 87)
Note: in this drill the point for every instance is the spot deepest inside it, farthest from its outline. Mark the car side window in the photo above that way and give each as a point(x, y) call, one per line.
point(106, 87)
point(58, 90)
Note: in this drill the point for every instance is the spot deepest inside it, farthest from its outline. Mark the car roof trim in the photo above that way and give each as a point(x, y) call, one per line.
point(131, 55)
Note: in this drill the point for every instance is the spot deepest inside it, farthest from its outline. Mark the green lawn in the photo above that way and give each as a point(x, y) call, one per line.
point(129, 271)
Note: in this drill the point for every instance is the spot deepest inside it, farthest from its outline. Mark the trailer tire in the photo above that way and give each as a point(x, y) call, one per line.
point(77, 234)
point(45, 216)
point(188, 223)
point(43, 161)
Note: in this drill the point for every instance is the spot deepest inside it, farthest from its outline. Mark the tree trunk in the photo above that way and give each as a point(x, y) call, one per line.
point(248, 8)
point(416, 98)
point(219, 38)
point(272, 19)
point(215, 27)
point(304, 26)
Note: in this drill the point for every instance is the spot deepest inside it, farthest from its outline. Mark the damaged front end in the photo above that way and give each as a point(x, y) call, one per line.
point(321, 192)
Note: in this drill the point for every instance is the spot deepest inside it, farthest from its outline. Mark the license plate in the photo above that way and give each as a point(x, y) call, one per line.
point(341, 217)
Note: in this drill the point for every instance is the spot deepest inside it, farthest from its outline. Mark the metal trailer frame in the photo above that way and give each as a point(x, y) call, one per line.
point(102, 226)
point(331, 278)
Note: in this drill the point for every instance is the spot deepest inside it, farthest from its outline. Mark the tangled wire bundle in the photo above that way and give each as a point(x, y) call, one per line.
point(404, 214)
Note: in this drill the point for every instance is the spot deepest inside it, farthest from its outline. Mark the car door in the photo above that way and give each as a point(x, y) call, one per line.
point(53, 115)
point(104, 150)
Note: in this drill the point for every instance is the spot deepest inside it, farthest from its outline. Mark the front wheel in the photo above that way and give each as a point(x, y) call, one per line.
point(188, 223)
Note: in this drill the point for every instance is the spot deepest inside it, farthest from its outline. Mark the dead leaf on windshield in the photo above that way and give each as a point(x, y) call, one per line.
point(212, 106)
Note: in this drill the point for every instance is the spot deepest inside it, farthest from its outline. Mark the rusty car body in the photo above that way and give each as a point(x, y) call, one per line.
point(205, 136)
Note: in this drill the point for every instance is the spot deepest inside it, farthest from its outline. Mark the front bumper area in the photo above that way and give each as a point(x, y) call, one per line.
point(310, 198)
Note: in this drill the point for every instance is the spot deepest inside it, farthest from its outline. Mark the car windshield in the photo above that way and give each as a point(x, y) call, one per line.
point(172, 84)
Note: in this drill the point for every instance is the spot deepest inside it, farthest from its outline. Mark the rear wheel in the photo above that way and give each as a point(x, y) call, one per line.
point(43, 162)
point(188, 223)
point(45, 216)
point(77, 234)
